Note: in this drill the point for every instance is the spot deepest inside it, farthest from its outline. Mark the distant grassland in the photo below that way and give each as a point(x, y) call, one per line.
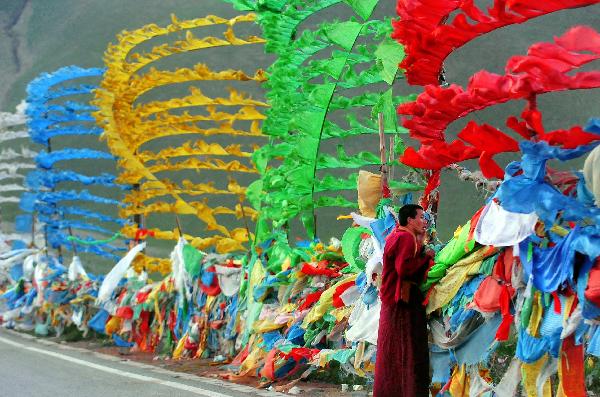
point(56, 33)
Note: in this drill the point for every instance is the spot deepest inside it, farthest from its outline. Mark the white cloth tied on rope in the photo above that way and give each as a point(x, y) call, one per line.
point(364, 322)
point(8, 119)
point(12, 257)
point(350, 295)
point(13, 167)
point(76, 269)
point(13, 187)
point(10, 175)
point(375, 261)
point(117, 272)
point(6, 136)
point(229, 279)
point(4, 200)
point(507, 386)
point(11, 154)
point(502, 228)
point(181, 277)
point(549, 369)
point(592, 179)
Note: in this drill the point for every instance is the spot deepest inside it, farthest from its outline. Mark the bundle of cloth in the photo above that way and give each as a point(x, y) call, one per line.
point(190, 313)
point(523, 273)
point(297, 305)
point(44, 296)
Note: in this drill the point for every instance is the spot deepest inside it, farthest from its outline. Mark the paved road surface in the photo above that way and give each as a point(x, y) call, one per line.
point(37, 367)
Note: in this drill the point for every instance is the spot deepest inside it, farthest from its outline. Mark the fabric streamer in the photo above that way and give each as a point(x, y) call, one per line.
point(76, 269)
point(54, 177)
point(524, 270)
point(118, 271)
point(14, 164)
point(229, 279)
point(525, 190)
point(47, 160)
point(12, 135)
point(298, 121)
point(52, 115)
point(425, 21)
point(521, 81)
point(94, 242)
point(11, 154)
point(530, 191)
point(129, 124)
point(13, 120)
point(551, 267)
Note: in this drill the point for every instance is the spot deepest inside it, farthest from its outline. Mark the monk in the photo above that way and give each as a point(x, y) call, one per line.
point(402, 365)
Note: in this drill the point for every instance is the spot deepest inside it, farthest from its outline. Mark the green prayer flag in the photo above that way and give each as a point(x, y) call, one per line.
point(350, 247)
point(317, 74)
point(364, 8)
point(192, 259)
point(344, 34)
point(389, 54)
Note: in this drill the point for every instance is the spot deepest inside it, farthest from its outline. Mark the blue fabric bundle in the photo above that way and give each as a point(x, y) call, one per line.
point(52, 112)
point(50, 179)
point(529, 192)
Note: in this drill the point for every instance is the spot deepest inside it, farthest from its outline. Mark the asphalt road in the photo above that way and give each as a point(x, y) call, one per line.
point(36, 367)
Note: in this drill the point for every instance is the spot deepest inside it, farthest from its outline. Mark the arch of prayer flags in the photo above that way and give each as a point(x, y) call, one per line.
point(311, 90)
point(131, 124)
point(74, 217)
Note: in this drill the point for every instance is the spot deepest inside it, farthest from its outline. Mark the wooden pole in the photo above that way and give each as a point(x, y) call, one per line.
point(179, 229)
point(48, 149)
point(382, 154)
point(391, 156)
point(73, 242)
point(245, 220)
point(32, 230)
point(138, 219)
point(241, 202)
point(59, 249)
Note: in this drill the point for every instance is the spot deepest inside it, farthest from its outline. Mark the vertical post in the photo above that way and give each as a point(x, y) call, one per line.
point(383, 156)
point(32, 230)
point(532, 102)
point(59, 249)
point(391, 156)
point(241, 203)
point(73, 242)
point(48, 150)
point(46, 236)
point(179, 229)
point(0, 221)
point(245, 220)
point(138, 219)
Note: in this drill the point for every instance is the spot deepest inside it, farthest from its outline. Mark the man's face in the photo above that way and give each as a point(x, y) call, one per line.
point(419, 223)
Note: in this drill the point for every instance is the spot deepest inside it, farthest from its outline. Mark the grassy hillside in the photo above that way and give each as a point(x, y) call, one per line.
point(55, 33)
point(43, 35)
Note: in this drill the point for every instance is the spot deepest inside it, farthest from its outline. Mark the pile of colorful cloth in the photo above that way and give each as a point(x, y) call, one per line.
point(523, 271)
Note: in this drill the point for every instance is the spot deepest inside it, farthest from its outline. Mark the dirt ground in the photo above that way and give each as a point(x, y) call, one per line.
point(210, 369)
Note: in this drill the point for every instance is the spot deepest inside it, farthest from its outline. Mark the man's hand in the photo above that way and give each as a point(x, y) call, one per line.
point(377, 280)
point(428, 252)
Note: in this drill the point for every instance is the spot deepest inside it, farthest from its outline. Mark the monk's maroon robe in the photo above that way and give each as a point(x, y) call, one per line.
point(402, 365)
